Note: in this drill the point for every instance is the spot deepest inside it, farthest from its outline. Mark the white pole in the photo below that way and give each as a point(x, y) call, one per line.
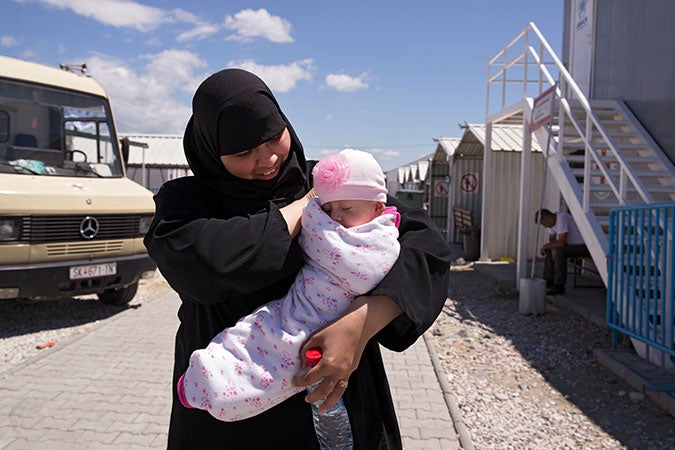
point(543, 186)
point(143, 169)
point(524, 199)
point(487, 193)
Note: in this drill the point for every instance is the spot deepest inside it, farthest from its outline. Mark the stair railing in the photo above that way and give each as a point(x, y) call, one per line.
point(550, 69)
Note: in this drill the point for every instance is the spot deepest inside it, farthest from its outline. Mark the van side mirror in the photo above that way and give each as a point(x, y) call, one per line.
point(124, 143)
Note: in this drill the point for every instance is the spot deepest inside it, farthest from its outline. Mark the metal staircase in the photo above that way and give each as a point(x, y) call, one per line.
point(600, 156)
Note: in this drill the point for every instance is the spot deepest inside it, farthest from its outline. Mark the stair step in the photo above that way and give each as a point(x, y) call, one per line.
point(649, 188)
point(580, 144)
point(572, 134)
point(610, 158)
point(615, 172)
point(605, 116)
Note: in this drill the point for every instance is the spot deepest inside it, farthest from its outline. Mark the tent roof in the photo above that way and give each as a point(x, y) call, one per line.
point(505, 138)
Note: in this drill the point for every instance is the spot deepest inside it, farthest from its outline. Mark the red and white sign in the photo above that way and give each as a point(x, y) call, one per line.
point(441, 188)
point(469, 182)
point(542, 109)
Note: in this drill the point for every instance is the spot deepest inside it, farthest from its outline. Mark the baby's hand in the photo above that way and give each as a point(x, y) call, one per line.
point(311, 194)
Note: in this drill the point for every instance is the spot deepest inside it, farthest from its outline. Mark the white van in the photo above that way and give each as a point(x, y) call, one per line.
point(71, 223)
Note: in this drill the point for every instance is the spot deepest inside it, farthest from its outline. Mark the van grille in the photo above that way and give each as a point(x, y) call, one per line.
point(46, 229)
point(85, 249)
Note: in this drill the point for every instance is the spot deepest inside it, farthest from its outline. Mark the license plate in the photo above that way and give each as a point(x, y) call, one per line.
point(93, 270)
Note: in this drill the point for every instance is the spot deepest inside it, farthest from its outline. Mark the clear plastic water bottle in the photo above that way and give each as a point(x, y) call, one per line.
point(333, 429)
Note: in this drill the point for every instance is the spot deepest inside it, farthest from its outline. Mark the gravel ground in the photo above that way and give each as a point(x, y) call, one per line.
point(526, 382)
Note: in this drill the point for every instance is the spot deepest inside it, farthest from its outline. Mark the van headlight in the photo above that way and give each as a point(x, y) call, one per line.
point(10, 229)
point(144, 225)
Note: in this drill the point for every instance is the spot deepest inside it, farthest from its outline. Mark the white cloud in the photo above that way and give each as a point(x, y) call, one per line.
point(384, 154)
point(249, 24)
point(345, 83)
point(280, 78)
point(8, 41)
point(328, 151)
point(117, 13)
point(152, 97)
point(129, 14)
point(199, 32)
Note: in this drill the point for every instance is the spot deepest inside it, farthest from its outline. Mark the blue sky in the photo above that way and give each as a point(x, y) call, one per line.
point(382, 76)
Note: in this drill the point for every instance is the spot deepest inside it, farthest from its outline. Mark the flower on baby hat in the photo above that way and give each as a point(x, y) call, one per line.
point(332, 171)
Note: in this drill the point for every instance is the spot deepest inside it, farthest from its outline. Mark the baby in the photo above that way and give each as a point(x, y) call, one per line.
point(350, 242)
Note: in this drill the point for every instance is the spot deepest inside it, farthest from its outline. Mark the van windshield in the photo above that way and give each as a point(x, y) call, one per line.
point(52, 132)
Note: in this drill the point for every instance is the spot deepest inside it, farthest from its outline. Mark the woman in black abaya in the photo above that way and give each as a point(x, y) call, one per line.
point(225, 241)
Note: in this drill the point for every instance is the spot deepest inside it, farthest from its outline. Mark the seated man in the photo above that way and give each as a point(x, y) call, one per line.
point(565, 241)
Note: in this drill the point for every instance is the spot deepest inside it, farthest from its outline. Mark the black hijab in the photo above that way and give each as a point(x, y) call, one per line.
point(233, 111)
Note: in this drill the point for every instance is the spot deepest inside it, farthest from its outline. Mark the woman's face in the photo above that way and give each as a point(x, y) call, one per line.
point(262, 162)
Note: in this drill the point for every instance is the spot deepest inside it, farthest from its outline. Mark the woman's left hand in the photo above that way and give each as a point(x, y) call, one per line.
point(342, 343)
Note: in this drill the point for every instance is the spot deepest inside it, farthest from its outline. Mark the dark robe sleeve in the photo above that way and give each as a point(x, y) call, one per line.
point(418, 282)
point(209, 259)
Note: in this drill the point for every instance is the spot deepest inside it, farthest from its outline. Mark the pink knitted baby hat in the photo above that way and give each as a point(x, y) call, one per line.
point(349, 175)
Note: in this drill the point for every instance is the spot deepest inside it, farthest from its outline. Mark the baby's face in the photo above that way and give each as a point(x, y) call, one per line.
point(350, 213)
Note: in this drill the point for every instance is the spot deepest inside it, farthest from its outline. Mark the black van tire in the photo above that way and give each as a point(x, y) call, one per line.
point(118, 297)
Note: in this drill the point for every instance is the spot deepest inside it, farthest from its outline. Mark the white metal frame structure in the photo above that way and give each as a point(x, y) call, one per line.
point(600, 156)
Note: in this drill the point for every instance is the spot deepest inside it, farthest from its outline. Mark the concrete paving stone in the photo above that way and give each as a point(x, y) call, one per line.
point(437, 408)
point(432, 444)
point(98, 437)
point(10, 432)
point(403, 397)
point(65, 423)
point(83, 411)
point(24, 408)
point(410, 433)
point(420, 405)
point(80, 410)
point(447, 444)
point(127, 427)
point(107, 389)
point(91, 425)
point(402, 385)
point(13, 388)
point(402, 412)
point(120, 416)
point(135, 447)
point(136, 400)
point(23, 422)
point(156, 428)
point(155, 408)
point(153, 419)
point(6, 441)
point(160, 442)
point(130, 439)
point(434, 432)
point(47, 437)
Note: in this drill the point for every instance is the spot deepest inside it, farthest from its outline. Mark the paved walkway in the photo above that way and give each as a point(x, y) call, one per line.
point(109, 388)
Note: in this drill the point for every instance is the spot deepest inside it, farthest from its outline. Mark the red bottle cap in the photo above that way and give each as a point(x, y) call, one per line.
point(313, 356)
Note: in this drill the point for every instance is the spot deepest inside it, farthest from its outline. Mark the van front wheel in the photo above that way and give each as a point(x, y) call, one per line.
point(120, 296)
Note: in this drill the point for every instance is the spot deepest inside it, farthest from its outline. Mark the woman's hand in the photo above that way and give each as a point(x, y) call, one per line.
point(342, 343)
point(293, 213)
